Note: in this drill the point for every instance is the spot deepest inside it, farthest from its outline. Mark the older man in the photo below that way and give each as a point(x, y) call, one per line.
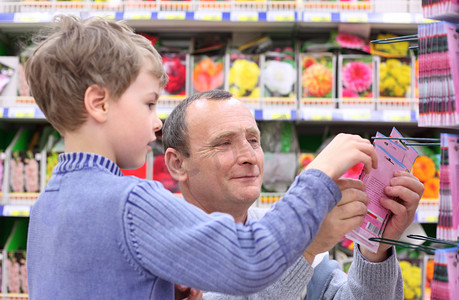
point(213, 150)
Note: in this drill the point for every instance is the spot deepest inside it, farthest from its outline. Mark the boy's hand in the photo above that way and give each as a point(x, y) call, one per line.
point(348, 214)
point(344, 152)
point(408, 190)
point(185, 293)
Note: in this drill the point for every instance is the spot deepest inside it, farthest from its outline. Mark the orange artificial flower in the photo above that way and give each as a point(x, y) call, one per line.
point(424, 168)
point(431, 188)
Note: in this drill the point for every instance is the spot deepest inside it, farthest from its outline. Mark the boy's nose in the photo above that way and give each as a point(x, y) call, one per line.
point(157, 125)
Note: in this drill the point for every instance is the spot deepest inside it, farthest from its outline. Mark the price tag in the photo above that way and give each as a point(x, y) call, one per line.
point(281, 116)
point(208, 15)
point(163, 116)
point(431, 219)
point(21, 112)
point(357, 115)
point(1, 112)
point(171, 15)
point(110, 15)
point(32, 17)
point(137, 15)
point(311, 114)
point(16, 211)
point(280, 16)
point(244, 16)
point(397, 116)
point(321, 117)
point(317, 17)
point(163, 113)
point(428, 21)
point(396, 18)
point(277, 115)
point(68, 13)
point(355, 17)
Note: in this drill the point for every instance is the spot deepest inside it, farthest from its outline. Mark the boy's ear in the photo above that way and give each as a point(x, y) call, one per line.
point(96, 102)
point(175, 163)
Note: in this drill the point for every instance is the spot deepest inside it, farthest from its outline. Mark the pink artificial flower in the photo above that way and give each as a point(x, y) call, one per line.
point(368, 95)
point(349, 94)
point(354, 172)
point(350, 41)
point(357, 76)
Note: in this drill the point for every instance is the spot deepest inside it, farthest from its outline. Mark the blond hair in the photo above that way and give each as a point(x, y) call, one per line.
point(79, 53)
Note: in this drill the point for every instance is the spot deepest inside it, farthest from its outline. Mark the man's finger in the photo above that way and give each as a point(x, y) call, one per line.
point(352, 195)
point(349, 183)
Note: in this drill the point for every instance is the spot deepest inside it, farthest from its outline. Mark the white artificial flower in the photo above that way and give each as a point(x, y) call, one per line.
point(279, 77)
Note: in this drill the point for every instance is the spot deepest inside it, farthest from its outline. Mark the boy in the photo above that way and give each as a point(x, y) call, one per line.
point(94, 233)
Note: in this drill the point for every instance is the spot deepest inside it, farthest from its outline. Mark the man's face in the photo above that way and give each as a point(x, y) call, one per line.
point(225, 167)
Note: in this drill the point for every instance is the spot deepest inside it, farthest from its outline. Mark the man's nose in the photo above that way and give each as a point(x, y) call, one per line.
point(246, 154)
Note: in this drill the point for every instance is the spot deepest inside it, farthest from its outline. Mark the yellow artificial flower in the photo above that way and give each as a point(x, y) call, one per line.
point(399, 91)
point(244, 74)
point(255, 93)
point(393, 63)
point(382, 70)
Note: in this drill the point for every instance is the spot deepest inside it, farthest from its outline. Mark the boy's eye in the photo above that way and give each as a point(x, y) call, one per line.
point(151, 105)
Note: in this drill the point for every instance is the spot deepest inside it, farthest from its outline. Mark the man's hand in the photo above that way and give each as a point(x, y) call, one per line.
point(348, 214)
point(408, 190)
point(344, 152)
point(185, 293)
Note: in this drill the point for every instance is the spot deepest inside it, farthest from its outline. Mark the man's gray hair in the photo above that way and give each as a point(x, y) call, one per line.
point(175, 128)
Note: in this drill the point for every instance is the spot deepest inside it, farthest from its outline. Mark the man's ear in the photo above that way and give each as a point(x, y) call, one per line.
point(96, 102)
point(175, 163)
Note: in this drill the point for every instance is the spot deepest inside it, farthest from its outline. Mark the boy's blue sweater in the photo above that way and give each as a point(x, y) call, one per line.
point(96, 234)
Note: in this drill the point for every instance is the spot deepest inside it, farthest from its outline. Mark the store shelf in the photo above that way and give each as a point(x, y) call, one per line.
point(427, 211)
point(275, 113)
point(21, 112)
point(185, 19)
point(358, 115)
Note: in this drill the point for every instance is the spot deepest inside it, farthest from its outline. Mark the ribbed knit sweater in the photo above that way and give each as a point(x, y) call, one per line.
point(96, 234)
point(365, 280)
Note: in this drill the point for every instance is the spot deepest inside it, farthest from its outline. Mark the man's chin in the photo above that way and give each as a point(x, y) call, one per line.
point(249, 196)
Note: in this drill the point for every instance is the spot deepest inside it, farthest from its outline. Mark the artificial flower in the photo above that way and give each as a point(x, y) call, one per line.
point(308, 61)
point(244, 74)
point(317, 81)
point(349, 94)
point(424, 168)
point(357, 76)
point(207, 75)
point(431, 188)
point(350, 41)
point(354, 172)
point(176, 71)
point(279, 77)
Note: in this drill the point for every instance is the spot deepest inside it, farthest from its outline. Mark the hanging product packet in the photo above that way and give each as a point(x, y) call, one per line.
point(448, 216)
point(393, 155)
point(453, 159)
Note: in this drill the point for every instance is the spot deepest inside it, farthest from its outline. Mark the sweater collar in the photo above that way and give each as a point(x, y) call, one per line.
point(73, 161)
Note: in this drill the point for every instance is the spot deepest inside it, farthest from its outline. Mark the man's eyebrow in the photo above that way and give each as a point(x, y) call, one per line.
point(253, 130)
point(224, 134)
